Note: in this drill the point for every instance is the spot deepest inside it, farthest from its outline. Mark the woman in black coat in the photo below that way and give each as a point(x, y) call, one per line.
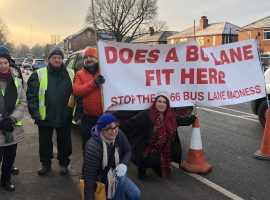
point(153, 137)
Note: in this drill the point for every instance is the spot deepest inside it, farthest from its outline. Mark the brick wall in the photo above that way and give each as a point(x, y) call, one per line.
point(264, 45)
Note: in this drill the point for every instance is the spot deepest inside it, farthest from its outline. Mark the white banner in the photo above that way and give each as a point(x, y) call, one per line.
point(215, 76)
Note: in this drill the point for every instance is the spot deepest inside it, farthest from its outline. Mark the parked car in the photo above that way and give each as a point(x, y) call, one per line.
point(259, 106)
point(27, 62)
point(75, 62)
point(18, 61)
point(38, 63)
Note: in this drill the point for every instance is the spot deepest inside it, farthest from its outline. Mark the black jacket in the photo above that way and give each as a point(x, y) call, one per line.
point(139, 130)
point(58, 114)
point(93, 160)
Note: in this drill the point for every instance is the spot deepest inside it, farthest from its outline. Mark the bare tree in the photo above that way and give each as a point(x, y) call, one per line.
point(38, 51)
point(122, 17)
point(22, 50)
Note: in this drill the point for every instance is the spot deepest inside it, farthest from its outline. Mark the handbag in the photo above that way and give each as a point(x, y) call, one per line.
point(100, 193)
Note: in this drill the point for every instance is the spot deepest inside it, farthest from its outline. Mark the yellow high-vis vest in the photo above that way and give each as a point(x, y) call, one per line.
point(43, 86)
point(18, 85)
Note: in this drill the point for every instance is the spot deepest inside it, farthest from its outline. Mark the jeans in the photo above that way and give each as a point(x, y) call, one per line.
point(126, 190)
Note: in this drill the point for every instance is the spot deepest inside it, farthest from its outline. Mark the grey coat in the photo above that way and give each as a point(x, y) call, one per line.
point(17, 114)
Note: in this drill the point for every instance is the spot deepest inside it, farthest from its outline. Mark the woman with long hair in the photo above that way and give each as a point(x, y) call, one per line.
point(153, 137)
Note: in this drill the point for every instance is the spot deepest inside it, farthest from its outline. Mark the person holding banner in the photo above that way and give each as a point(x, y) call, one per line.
point(106, 159)
point(153, 136)
point(87, 86)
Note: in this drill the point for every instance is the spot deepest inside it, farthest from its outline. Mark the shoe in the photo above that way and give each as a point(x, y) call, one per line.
point(63, 170)
point(141, 173)
point(44, 169)
point(158, 171)
point(15, 170)
point(8, 186)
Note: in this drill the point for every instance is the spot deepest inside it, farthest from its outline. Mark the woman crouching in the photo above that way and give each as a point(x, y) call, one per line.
point(108, 146)
point(153, 137)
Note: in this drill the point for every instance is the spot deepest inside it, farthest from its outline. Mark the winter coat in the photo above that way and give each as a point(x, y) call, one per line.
point(93, 159)
point(139, 130)
point(16, 112)
point(58, 113)
point(85, 87)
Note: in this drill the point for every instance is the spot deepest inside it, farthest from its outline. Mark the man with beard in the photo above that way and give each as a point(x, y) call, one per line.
point(48, 93)
point(87, 86)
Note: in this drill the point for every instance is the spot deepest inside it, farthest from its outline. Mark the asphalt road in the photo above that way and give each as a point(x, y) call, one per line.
point(230, 138)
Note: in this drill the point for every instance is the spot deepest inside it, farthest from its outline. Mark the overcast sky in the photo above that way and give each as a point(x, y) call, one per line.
point(65, 17)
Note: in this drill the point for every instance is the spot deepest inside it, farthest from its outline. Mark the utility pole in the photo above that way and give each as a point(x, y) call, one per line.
point(94, 20)
point(31, 37)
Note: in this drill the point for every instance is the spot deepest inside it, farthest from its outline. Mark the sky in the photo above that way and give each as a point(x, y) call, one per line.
point(34, 21)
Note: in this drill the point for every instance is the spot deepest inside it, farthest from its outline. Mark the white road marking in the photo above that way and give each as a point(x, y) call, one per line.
point(232, 115)
point(237, 111)
point(211, 184)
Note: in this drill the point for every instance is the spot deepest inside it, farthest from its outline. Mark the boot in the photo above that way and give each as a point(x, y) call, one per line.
point(141, 173)
point(44, 169)
point(15, 170)
point(63, 170)
point(7, 186)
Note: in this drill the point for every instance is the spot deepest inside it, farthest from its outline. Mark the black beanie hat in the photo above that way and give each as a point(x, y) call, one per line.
point(5, 55)
point(56, 51)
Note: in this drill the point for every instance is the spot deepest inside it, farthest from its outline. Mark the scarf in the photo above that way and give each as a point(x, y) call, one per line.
point(165, 133)
point(111, 176)
point(6, 75)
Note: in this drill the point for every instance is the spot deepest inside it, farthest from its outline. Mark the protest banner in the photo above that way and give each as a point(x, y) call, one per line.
point(221, 75)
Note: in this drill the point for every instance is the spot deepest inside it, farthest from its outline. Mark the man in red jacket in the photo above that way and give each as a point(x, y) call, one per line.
point(87, 86)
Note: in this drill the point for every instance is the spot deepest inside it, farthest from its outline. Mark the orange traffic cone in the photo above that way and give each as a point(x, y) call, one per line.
point(264, 152)
point(196, 162)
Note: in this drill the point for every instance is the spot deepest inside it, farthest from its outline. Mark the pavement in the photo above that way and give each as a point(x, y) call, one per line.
point(52, 186)
point(29, 185)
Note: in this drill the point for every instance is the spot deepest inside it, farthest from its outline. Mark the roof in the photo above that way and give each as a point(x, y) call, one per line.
point(262, 23)
point(104, 34)
point(156, 37)
point(221, 28)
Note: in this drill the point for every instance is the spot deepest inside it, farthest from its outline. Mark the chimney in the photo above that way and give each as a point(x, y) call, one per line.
point(151, 31)
point(203, 22)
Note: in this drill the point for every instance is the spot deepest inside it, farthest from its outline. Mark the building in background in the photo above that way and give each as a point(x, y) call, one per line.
point(84, 38)
point(206, 34)
point(259, 30)
point(153, 37)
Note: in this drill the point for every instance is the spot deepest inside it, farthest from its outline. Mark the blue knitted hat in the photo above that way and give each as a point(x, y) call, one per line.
point(104, 120)
point(4, 49)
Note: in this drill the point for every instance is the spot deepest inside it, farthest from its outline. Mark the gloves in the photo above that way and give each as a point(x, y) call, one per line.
point(6, 124)
point(99, 80)
point(121, 170)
